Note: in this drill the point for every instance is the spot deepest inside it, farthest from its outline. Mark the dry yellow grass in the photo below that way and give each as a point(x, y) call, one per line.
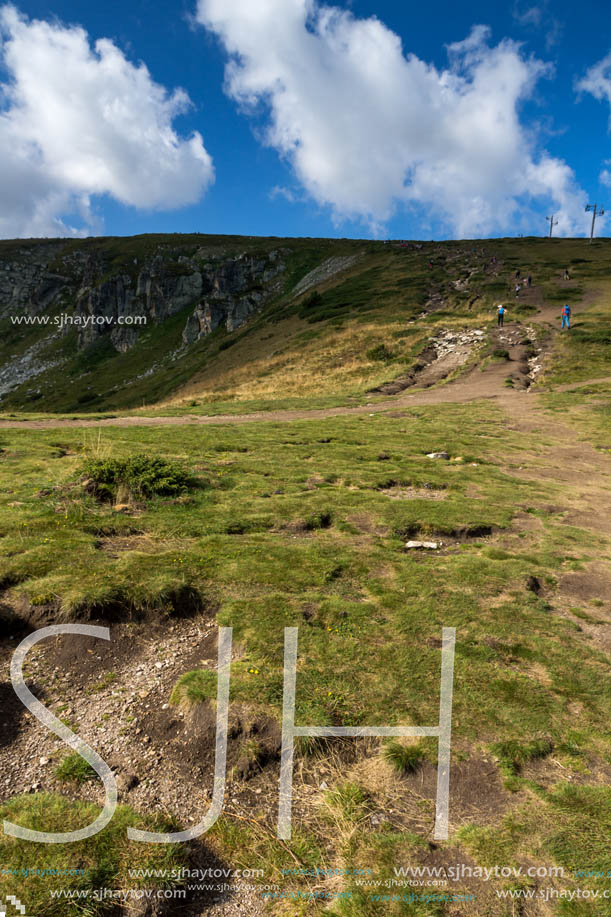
point(334, 362)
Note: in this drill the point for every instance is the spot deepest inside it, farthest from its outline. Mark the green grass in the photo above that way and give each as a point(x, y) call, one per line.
point(75, 769)
point(567, 826)
point(295, 516)
point(294, 528)
point(404, 758)
point(194, 688)
point(100, 861)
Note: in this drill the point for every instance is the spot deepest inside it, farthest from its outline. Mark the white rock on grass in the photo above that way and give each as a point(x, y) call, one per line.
point(437, 455)
point(423, 545)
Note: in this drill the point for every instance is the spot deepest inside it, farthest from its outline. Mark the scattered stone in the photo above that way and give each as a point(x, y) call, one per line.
point(437, 455)
point(43, 761)
point(378, 818)
point(423, 545)
point(324, 785)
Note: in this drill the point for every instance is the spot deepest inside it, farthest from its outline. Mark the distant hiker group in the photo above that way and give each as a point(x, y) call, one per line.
point(528, 281)
point(520, 282)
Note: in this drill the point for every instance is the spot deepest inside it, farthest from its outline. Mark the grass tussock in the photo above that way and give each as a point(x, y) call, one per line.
point(75, 769)
point(405, 759)
point(513, 755)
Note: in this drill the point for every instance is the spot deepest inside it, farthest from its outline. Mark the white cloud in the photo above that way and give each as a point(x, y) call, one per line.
point(284, 192)
point(367, 129)
point(77, 122)
point(597, 81)
point(605, 174)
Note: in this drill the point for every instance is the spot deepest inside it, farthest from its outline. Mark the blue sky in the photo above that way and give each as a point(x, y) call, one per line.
point(397, 141)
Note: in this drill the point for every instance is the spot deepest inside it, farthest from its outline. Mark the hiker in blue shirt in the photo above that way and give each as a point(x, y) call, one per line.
point(500, 315)
point(566, 316)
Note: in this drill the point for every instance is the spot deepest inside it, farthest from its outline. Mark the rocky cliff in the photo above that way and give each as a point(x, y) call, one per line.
point(117, 298)
point(109, 323)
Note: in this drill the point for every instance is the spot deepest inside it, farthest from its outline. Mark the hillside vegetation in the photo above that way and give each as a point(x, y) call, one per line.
point(274, 480)
point(363, 319)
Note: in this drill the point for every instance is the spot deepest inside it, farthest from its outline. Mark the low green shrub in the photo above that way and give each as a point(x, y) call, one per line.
point(320, 520)
point(381, 353)
point(140, 475)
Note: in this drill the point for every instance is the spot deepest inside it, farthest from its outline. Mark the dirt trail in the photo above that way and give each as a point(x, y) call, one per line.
point(490, 385)
point(480, 382)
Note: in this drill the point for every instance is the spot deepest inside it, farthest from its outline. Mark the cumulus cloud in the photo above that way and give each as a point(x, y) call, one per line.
point(77, 121)
point(367, 129)
point(597, 81)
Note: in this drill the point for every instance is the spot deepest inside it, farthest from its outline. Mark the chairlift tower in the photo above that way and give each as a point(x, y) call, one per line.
point(595, 213)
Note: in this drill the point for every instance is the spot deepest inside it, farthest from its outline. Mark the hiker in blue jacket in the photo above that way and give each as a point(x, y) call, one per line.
point(566, 316)
point(500, 315)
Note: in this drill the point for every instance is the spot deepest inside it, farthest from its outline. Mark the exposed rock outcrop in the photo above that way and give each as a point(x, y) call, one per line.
point(117, 298)
point(324, 271)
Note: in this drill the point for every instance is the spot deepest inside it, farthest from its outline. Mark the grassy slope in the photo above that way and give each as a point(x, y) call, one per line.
point(296, 353)
point(376, 609)
point(292, 355)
